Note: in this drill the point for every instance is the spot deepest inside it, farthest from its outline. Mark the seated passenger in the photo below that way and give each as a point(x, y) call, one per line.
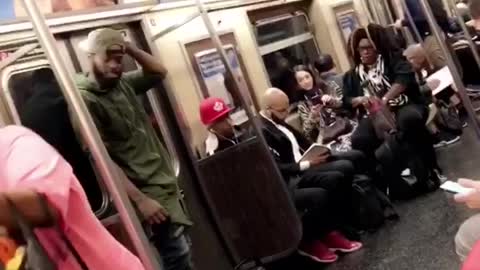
point(215, 115)
point(333, 174)
point(469, 233)
point(318, 110)
point(29, 167)
point(46, 113)
point(382, 73)
point(417, 57)
point(326, 67)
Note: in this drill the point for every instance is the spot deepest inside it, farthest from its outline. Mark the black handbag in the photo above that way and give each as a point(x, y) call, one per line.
point(448, 117)
point(36, 257)
point(340, 127)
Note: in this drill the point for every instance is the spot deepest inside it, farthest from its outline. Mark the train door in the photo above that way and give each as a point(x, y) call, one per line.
point(21, 88)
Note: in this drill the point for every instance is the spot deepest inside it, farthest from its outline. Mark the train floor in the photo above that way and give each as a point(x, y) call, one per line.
point(423, 238)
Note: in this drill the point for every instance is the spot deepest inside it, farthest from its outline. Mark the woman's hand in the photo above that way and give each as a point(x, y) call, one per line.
point(327, 99)
point(361, 101)
point(316, 111)
point(471, 199)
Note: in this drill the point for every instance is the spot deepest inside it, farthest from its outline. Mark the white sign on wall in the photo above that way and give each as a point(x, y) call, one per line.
point(212, 72)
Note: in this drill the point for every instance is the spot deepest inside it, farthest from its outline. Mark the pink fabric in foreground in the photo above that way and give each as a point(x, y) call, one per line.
point(29, 163)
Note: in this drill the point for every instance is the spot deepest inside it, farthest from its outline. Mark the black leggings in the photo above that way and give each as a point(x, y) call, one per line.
point(411, 131)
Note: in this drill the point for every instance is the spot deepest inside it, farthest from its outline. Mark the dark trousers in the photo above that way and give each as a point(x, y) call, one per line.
point(314, 205)
point(172, 244)
point(411, 132)
point(325, 190)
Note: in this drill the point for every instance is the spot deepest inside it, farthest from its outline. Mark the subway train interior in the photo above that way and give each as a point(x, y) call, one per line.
point(242, 209)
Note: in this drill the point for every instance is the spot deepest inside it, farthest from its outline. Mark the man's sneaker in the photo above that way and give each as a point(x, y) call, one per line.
point(337, 242)
point(444, 139)
point(318, 252)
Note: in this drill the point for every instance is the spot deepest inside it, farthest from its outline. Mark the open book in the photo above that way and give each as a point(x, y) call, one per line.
point(440, 79)
point(315, 150)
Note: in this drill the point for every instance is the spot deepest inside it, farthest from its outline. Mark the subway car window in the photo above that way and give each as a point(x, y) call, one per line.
point(270, 31)
point(284, 42)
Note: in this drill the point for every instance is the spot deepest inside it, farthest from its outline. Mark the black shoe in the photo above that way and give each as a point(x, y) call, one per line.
point(439, 177)
point(443, 139)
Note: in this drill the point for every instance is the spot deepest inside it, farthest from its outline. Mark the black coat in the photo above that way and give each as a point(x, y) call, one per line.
point(46, 113)
point(397, 70)
point(281, 147)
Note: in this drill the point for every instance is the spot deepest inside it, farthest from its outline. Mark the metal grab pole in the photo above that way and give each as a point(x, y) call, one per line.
point(367, 10)
point(457, 79)
point(471, 44)
point(92, 138)
point(401, 16)
point(388, 13)
point(373, 7)
point(411, 21)
point(228, 67)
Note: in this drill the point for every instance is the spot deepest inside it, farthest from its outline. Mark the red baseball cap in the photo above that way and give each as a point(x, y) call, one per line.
point(213, 109)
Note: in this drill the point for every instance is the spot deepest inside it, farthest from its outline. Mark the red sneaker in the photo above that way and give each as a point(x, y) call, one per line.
point(319, 252)
point(337, 242)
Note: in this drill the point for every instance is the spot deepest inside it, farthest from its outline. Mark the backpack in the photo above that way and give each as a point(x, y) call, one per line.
point(371, 207)
point(403, 168)
point(449, 118)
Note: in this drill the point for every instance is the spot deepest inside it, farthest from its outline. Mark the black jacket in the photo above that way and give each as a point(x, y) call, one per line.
point(46, 113)
point(281, 147)
point(397, 69)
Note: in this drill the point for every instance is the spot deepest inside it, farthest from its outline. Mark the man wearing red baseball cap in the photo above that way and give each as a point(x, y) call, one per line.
point(215, 115)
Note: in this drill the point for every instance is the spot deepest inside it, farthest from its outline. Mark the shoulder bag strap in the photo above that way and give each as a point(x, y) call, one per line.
point(40, 257)
point(63, 236)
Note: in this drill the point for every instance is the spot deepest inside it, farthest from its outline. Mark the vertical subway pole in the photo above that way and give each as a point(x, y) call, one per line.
point(92, 138)
point(457, 79)
point(468, 37)
point(245, 100)
point(409, 16)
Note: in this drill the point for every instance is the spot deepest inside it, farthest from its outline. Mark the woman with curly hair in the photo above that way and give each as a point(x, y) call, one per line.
point(382, 73)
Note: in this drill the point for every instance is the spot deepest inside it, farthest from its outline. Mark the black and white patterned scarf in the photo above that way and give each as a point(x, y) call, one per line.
point(377, 83)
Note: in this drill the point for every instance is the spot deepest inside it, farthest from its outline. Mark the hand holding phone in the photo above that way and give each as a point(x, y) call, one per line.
point(456, 188)
point(471, 198)
point(317, 100)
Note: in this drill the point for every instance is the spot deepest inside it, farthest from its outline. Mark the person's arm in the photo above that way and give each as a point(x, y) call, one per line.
point(148, 62)
point(471, 199)
point(333, 97)
point(151, 210)
point(149, 76)
point(310, 120)
point(403, 75)
point(32, 167)
point(28, 205)
point(395, 91)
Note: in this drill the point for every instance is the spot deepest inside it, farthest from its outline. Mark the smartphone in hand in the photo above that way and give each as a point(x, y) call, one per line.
point(455, 188)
